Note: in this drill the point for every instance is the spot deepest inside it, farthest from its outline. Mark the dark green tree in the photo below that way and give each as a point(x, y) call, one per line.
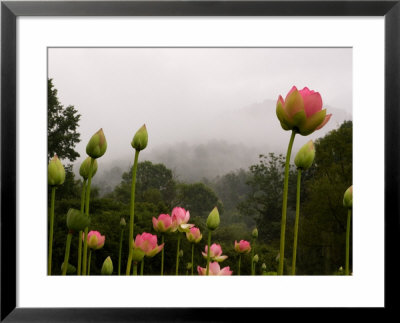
point(323, 217)
point(62, 125)
point(264, 201)
point(62, 136)
point(154, 183)
point(198, 198)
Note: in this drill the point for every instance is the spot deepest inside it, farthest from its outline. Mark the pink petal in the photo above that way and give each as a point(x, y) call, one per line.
point(225, 271)
point(312, 103)
point(214, 268)
point(138, 240)
point(155, 222)
point(201, 271)
point(291, 90)
point(306, 92)
point(327, 117)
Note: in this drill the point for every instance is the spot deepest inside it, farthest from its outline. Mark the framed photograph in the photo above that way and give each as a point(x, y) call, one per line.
point(232, 131)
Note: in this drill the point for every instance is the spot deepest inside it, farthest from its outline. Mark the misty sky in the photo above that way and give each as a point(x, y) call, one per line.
point(194, 95)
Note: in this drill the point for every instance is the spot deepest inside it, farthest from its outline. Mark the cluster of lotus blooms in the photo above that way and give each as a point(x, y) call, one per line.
point(300, 112)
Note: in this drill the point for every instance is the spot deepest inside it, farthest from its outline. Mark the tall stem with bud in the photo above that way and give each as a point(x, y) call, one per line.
point(177, 254)
point(348, 203)
point(52, 202)
point(284, 204)
point(162, 255)
point(296, 223)
point(212, 224)
point(55, 177)
point(80, 232)
point(66, 257)
point(139, 142)
point(87, 197)
point(132, 212)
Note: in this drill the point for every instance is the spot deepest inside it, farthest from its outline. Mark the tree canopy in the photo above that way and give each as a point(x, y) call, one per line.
point(62, 125)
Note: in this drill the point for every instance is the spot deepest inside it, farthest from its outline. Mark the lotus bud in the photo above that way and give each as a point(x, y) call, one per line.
point(263, 266)
point(122, 223)
point(85, 168)
point(213, 219)
point(137, 255)
point(255, 258)
point(301, 111)
point(97, 145)
point(181, 253)
point(139, 141)
point(107, 267)
point(189, 266)
point(305, 156)
point(348, 198)
point(95, 240)
point(242, 246)
point(71, 269)
point(340, 269)
point(76, 220)
point(56, 172)
point(254, 234)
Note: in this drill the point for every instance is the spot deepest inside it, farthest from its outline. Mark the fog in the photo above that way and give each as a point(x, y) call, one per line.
point(207, 110)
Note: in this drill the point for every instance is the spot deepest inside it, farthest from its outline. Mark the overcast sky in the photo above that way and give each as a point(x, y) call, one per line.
point(193, 94)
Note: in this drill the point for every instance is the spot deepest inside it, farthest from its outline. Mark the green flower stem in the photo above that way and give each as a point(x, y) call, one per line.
point(296, 223)
point(141, 267)
point(162, 255)
point(177, 254)
point(52, 202)
point(87, 197)
point(134, 268)
point(90, 257)
point(208, 252)
point(240, 260)
point(284, 205)
point(80, 232)
point(192, 256)
point(66, 257)
point(348, 242)
point(132, 212)
point(252, 256)
point(120, 252)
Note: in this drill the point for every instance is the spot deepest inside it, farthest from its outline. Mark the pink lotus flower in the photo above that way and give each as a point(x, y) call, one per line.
point(215, 270)
point(163, 223)
point(301, 111)
point(194, 235)
point(94, 240)
point(147, 242)
point(215, 253)
point(243, 246)
point(180, 218)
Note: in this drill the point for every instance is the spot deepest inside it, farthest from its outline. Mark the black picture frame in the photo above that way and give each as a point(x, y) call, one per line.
point(11, 10)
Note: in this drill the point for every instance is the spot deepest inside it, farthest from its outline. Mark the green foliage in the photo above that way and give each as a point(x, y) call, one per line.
point(264, 201)
point(323, 217)
point(62, 136)
point(62, 124)
point(154, 183)
point(198, 198)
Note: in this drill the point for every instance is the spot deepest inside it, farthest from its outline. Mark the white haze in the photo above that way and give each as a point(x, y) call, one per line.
point(207, 110)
